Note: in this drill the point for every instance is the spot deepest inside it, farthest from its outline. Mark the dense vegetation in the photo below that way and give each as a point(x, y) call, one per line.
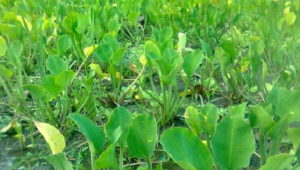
point(150, 84)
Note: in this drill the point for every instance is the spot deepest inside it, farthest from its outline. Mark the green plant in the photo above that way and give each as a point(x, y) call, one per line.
point(169, 63)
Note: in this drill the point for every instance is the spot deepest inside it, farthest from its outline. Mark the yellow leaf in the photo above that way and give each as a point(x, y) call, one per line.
point(19, 18)
point(229, 2)
point(89, 50)
point(290, 18)
point(254, 38)
point(143, 60)
point(133, 68)
point(188, 92)
point(118, 75)
point(214, 2)
point(286, 10)
point(53, 137)
point(97, 69)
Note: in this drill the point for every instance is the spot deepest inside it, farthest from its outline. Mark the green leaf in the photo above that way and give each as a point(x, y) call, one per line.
point(192, 62)
point(165, 34)
point(277, 132)
point(118, 55)
point(206, 47)
point(260, 118)
point(231, 135)
point(239, 110)
point(59, 161)
point(290, 18)
point(259, 46)
point(120, 118)
point(3, 46)
point(108, 158)
point(229, 47)
point(36, 90)
point(142, 136)
point(210, 113)
point(191, 116)
point(151, 52)
point(278, 162)
point(6, 73)
point(293, 134)
point(289, 104)
point(186, 149)
point(93, 133)
point(111, 41)
point(64, 43)
point(50, 85)
point(55, 65)
point(104, 52)
point(15, 51)
point(64, 78)
point(70, 22)
point(98, 70)
point(53, 137)
point(113, 25)
point(84, 21)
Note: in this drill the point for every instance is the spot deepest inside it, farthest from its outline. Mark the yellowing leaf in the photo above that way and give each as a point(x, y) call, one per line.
point(290, 18)
point(188, 92)
point(286, 10)
point(143, 60)
point(29, 26)
point(254, 38)
point(118, 75)
point(89, 50)
point(97, 69)
point(53, 137)
point(3, 46)
point(214, 2)
point(229, 2)
point(133, 68)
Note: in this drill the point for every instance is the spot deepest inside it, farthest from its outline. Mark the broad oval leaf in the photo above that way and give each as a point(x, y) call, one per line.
point(84, 21)
point(53, 137)
point(93, 133)
point(108, 158)
point(293, 134)
point(210, 113)
point(290, 18)
point(165, 34)
point(233, 143)
point(151, 52)
point(55, 65)
point(104, 52)
point(120, 118)
point(70, 22)
point(111, 41)
point(3, 46)
point(278, 162)
point(50, 85)
point(192, 62)
point(118, 55)
point(64, 78)
point(259, 117)
point(186, 149)
point(142, 136)
point(64, 43)
point(59, 161)
point(14, 52)
point(89, 50)
point(5, 72)
point(191, 116)
point(36, 90)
